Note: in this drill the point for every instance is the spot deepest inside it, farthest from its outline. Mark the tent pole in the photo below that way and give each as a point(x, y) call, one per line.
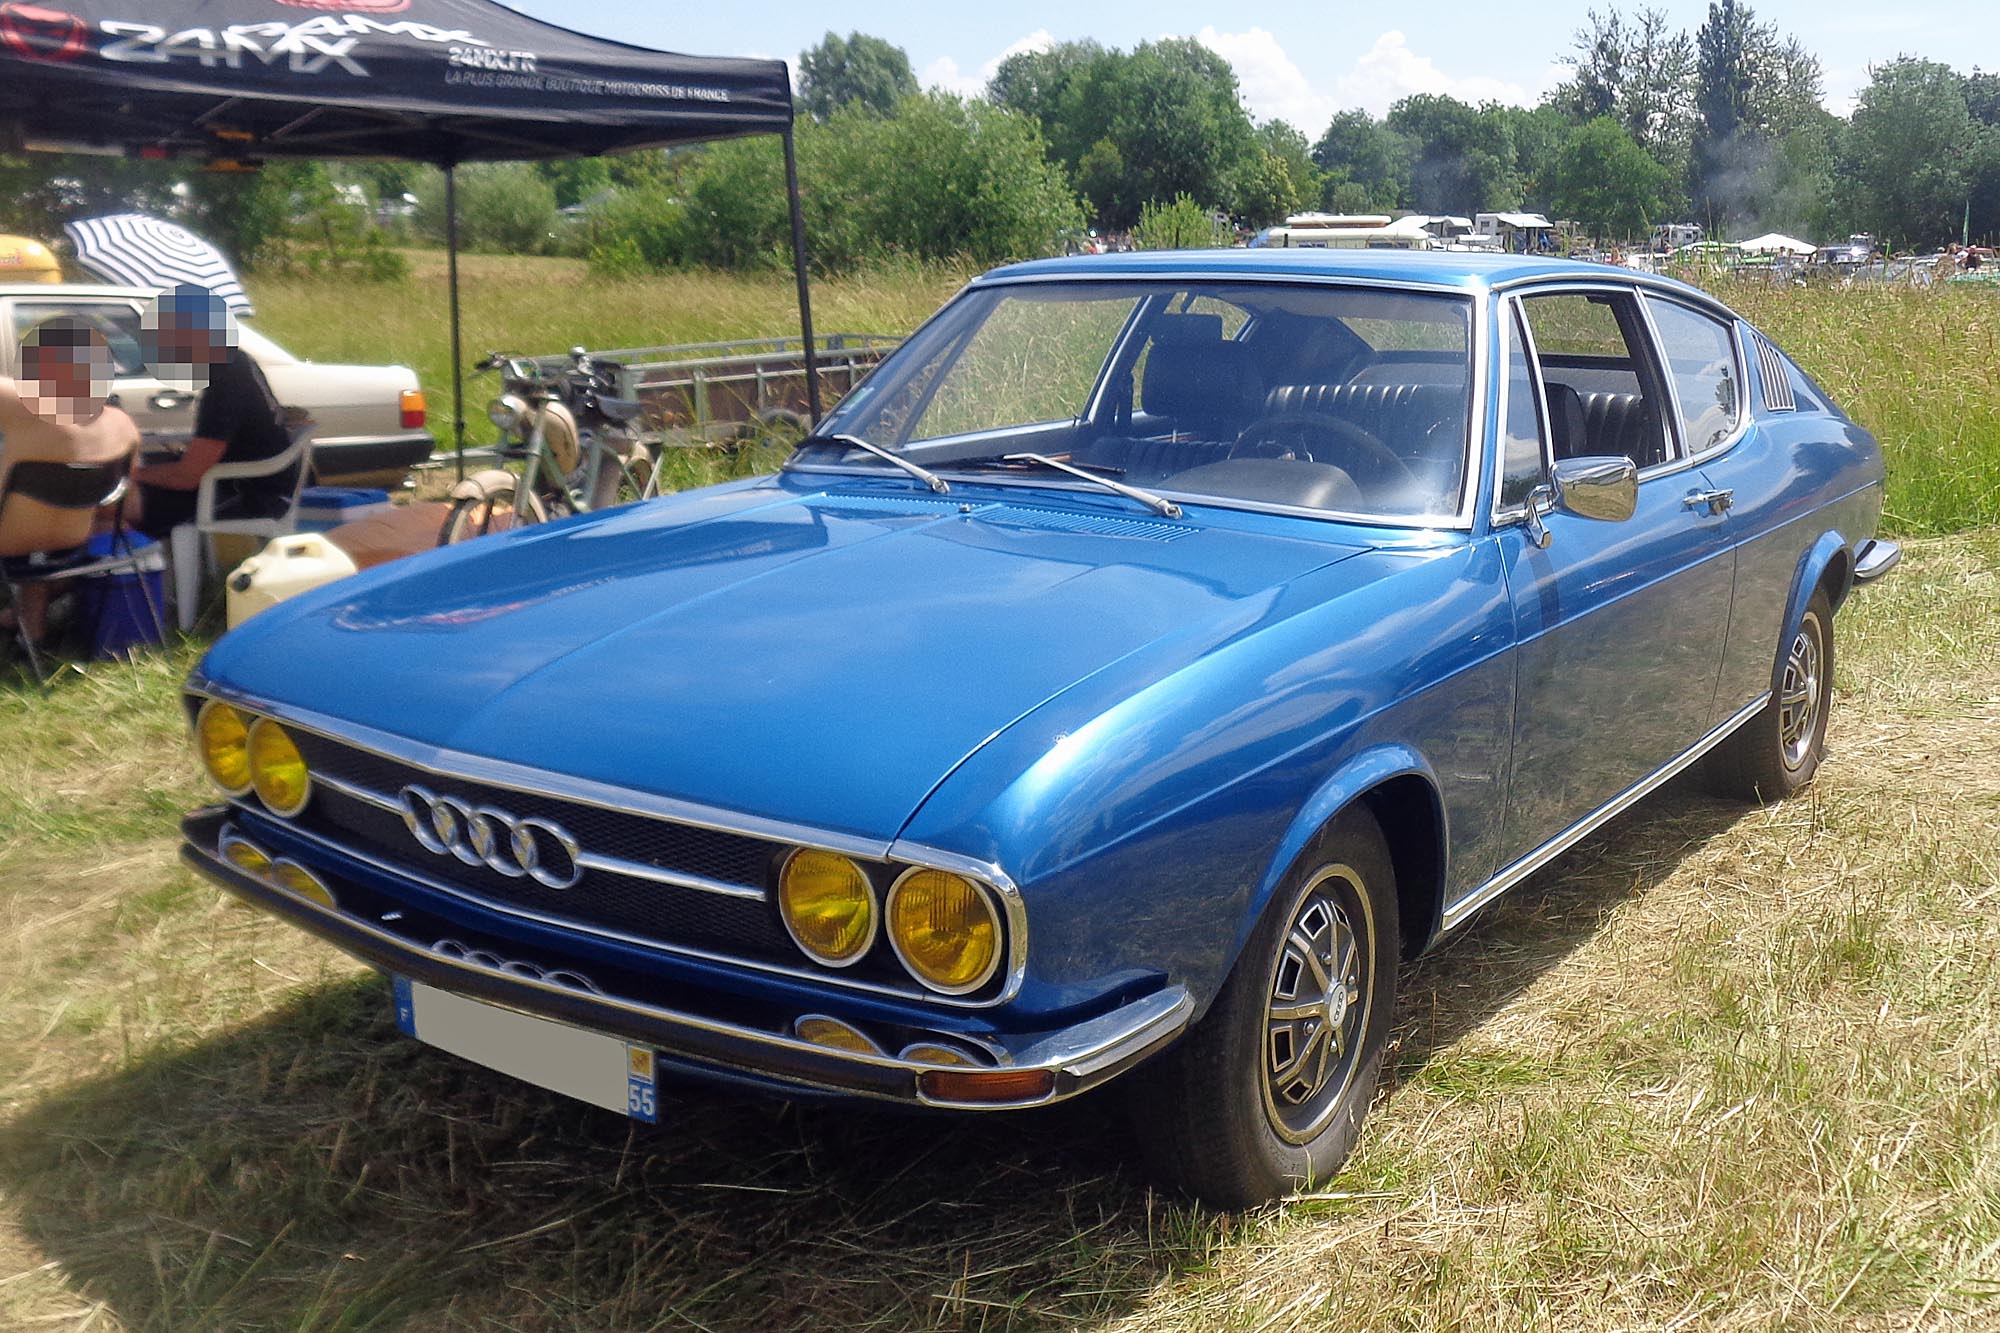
point(799, 272)
point(457, 351)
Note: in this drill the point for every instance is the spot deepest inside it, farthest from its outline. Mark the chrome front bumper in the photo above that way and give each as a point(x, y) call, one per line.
point(1074, 1058)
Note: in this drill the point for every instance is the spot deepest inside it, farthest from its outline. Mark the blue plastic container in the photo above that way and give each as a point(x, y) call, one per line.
point(112, 609)
point(323, 508)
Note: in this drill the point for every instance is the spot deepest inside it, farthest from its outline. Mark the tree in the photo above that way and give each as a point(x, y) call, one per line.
point(1463, 155)
point(503, 207)
point(1168, 109)
point(1907, 150)
point(1182, 224)
point(1279, 178)
point(1358, 151)
point(1606, 181)
point(1538, 135)
point(858, 70)
point(936, 178)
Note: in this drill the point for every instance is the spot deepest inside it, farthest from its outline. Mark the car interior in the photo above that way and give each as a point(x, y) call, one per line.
point(1292, 410)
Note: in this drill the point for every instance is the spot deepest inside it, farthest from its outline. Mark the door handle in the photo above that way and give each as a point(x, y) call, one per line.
point(1718, 502)
point(168, 400)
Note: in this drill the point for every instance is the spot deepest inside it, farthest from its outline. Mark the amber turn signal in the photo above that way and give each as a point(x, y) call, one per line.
point(999, 1087)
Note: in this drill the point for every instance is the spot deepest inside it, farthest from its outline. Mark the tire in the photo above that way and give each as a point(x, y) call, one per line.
point(1243, 1111)
point(493, 510)
point(1777, 752)
point(620, 479)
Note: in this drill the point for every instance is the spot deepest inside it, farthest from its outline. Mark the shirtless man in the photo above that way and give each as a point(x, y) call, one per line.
point(56, 412)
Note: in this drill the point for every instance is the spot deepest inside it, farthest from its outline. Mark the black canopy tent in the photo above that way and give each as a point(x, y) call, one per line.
point(439, 81)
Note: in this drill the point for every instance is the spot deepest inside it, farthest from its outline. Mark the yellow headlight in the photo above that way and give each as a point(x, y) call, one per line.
point(945, 929)
point(302, 882)
point(828, 906)
point(222, 738)
point(277, 769)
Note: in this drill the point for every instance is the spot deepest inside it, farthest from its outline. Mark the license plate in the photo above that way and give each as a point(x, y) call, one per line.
point(590, 1066)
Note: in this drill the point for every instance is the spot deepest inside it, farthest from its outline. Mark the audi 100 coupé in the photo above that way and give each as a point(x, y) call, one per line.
point(1117, 687)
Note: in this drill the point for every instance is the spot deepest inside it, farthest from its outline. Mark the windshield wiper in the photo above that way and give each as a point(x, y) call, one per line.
point(923, 474)
point(1159, 504)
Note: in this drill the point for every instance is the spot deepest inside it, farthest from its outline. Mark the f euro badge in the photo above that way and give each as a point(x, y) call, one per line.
point(642, 1098)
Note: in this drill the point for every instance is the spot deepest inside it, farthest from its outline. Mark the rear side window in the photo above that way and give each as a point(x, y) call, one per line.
point(1604, 393)
point(1700, 354)
point(118, 323)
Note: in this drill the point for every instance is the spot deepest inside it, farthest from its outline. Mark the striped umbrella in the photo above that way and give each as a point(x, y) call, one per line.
point(143, 251)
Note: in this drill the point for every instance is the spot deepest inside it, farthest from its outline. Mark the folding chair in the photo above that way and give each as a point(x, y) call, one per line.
point(193, 544)
point(95, 487)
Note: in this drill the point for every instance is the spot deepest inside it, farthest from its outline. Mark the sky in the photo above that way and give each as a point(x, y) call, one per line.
point(1300, 63)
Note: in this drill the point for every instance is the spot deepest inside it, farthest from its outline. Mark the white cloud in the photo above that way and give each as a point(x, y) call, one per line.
point(1273, 87)
point(945, 74)
point(1390, 70)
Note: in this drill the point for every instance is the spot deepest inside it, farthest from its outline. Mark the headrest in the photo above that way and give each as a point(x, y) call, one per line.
point(1207, 389)
point(1567, 431)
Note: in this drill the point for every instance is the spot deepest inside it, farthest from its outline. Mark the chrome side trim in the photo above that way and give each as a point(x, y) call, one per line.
point(1459, 912)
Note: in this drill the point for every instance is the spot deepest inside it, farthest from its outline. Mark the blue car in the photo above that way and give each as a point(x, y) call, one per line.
point(1150, 656)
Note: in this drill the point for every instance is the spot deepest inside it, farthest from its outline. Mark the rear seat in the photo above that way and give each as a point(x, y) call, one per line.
point(1620, 423)
point(1396, 414)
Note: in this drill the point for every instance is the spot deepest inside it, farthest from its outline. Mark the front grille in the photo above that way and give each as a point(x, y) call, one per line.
point(629, 905)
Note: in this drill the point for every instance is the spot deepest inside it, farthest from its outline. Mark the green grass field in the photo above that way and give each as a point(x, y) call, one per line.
point(1718, 1068)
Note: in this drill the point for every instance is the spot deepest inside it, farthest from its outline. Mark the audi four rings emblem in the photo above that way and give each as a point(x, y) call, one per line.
point(481, 835)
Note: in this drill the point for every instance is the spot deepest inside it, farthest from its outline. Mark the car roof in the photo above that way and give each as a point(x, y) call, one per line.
point(60, 289)
point(1466, 270)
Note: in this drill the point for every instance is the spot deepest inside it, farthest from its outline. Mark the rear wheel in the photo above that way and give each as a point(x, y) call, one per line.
point(499, 507)
point(1777, 752)
point(1266, 1095)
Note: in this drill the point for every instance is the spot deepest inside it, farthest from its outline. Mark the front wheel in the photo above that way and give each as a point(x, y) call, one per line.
point(1777, 752)
point(1266, 1095)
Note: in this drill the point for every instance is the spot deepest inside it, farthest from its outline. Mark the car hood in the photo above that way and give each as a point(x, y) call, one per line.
point(824, 658)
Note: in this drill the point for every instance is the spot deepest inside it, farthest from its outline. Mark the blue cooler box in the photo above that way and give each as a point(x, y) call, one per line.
point(323, 508)
point(112, 608)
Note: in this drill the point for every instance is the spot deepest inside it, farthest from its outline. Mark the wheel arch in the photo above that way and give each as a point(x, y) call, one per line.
point(1399, 790)
point(1828, 563)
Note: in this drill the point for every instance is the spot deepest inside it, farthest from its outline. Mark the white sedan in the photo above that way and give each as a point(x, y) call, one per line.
point(370, 418)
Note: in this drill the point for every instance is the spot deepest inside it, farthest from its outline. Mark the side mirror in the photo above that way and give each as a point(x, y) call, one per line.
point(1605, 488)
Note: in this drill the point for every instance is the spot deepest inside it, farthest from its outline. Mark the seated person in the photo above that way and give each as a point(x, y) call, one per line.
point(56, 412)
point(237, 421)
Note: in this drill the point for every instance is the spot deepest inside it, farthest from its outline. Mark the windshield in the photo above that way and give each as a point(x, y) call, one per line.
point(1353, 400)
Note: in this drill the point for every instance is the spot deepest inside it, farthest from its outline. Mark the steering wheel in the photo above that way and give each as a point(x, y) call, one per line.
point(1318, 438)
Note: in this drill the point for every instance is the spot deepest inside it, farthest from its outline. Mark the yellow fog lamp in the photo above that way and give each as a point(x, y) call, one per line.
point(296, 880)
point(222, 739)
point(945, 929)
point(245, 856)
point(828, 906)
point(277, 769)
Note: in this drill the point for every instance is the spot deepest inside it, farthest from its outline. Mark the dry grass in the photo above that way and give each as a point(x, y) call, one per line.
point(1717, 1069)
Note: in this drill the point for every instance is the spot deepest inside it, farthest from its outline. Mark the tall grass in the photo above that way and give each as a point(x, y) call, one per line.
point(530, 306)
point(1918, 367)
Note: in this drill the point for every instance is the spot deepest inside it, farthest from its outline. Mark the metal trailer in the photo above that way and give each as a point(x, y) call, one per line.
point(701, 394)
point(704, 393)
